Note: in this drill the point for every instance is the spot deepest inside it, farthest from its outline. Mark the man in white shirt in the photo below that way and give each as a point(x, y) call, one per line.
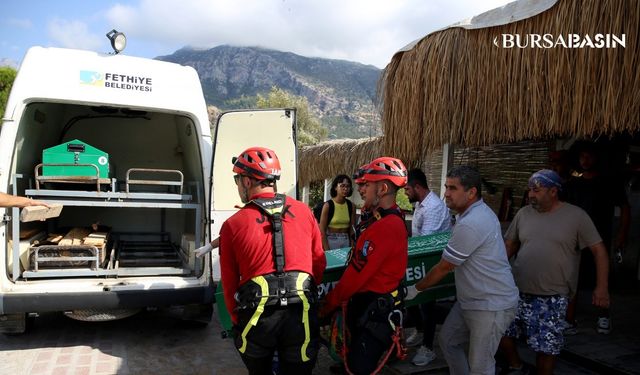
point(430, 215)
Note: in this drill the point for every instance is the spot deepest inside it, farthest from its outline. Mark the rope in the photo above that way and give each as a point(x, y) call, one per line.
point(396, 341)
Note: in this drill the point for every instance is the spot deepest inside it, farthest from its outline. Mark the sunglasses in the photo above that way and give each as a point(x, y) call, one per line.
point(236, 178)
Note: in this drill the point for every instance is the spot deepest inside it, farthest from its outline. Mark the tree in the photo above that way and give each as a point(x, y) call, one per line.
point(7, 75)
point(310, 131)
point(213, 112)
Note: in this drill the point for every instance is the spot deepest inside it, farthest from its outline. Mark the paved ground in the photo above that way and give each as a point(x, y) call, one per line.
point(158, 343)
point(151, 342)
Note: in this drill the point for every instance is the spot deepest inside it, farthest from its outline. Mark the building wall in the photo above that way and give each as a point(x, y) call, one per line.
point(501, 166)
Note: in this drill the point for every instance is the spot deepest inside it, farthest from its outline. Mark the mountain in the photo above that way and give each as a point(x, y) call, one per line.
point(340, 93)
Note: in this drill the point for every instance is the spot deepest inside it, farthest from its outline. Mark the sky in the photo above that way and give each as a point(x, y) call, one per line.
point(365, 31)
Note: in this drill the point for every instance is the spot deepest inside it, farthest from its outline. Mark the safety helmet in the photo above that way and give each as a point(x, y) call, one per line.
point(260, 163)
point(386, 168)
point(357, 177)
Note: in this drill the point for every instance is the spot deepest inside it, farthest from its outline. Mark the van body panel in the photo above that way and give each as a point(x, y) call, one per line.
point(150, 117)
point(66, 75)
point(16, 303)
point(235, 132)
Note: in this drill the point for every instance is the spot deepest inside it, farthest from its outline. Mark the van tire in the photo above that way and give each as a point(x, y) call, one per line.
point(198, 315)
point(16, 324)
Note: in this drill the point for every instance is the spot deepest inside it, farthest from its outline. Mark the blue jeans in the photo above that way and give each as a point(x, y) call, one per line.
point(338, 240)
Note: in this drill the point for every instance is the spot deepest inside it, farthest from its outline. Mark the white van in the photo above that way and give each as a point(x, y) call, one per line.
point(124, 144)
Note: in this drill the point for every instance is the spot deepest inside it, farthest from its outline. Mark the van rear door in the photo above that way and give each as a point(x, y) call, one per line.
point(236, 131)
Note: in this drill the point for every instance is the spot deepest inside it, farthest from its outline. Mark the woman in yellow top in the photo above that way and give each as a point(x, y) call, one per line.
point(338, 215)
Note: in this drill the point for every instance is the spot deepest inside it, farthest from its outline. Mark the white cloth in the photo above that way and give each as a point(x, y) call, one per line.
point(203, 250)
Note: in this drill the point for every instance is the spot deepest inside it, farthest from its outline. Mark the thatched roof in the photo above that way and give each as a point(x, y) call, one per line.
point(455, 86)
point(331, 158)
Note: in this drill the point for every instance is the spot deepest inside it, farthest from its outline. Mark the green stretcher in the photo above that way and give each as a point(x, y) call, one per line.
point(424, 253)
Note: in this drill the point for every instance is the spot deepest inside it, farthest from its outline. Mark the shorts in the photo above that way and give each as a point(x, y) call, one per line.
point(539, 319)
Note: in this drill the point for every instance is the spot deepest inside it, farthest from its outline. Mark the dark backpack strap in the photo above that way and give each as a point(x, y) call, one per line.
point(350, 208)
point(332, 210)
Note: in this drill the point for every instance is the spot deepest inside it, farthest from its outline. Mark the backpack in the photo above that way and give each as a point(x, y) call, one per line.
point(317, 209)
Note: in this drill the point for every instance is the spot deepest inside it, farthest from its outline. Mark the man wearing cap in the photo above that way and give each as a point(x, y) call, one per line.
point(377, 264)
point(486, 293)
point(271, 260)
point(546, 235)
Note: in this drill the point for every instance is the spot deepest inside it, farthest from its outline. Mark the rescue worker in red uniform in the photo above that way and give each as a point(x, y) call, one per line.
point(271, 260)
point(377, 265)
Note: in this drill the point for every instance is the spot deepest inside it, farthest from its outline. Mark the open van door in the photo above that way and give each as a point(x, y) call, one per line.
point(236, 131)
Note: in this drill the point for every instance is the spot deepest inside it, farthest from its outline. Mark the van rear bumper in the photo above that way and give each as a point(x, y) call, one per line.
point(50, 302)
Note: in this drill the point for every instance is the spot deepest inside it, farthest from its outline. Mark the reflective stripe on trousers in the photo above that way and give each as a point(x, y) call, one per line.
point(264, 287)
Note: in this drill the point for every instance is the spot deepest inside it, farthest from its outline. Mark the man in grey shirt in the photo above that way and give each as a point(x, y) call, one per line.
point(547, 236)
point(486, 293)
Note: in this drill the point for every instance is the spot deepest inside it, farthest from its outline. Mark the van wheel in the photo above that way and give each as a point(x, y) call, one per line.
point(198, 315)
point(16, 324)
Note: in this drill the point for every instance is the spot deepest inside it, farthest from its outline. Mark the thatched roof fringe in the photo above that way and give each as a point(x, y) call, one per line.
point(328, 159)
point(455, 86)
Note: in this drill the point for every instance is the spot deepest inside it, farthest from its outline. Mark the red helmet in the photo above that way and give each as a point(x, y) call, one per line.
point(357, 177)
point(260, 163)
point(386, 168)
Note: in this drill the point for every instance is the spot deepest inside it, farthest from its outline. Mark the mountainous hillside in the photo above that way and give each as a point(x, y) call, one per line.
point(340, 93)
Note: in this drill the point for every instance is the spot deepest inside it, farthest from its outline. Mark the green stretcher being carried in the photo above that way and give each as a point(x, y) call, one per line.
point(424, 252)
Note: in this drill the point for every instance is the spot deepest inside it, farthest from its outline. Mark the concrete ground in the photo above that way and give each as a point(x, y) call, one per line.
point(156, 342)
point(147, 343)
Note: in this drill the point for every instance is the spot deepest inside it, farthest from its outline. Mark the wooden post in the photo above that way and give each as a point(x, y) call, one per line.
point(305, 194)
point(447, 162)
point(327, 189)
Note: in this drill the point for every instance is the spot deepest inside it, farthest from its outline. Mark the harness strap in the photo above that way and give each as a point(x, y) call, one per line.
point(379, 213)
point(275, 209)
point(372, 217)
point(278, 242)
point(396, 337)
point(294, 284)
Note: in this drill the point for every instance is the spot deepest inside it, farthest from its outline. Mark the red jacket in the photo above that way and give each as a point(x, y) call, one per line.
point(378, 264)
point(246, 249)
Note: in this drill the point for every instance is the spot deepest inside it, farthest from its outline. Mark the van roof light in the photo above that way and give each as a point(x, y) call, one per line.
point(118, 40)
